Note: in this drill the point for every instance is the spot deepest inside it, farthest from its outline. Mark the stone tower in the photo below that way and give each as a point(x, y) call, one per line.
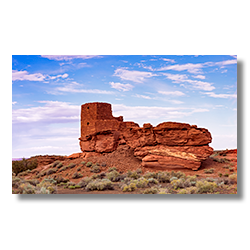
point(97, 117)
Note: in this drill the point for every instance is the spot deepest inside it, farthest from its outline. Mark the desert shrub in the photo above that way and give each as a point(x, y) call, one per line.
point(51, 171)
point(26, 188)
point(99, 185)
point(138, 171)
point(112, 169)
point(226, 174)
point(71, 187)
point(78, 169)
point(233, 178)
point(95, 169)
point(89, 164)
point(83, 162)
point(24, 173)
point(173, 178)
point(141, 182)
point(60, 179)
point(187, 183)
point(63, 169)
point(231, 169)
point(23, 165)
point(113, 175)
point(163, 177)
point(103, 164)
point(77, 175)
point(129, 188)
point(151, 190)
point(152, 181)
point(163, 191)
point(220, 174)
point(179, 183)
point(150, 175)
point(55, 163)
point(59, 165)
point(71, 165)
point(221, 160)
point(209, 171)
point(33, 182)
point(133, 175)
point(48, 184)
point(189, 190)
point(205, 187)
point(16, 181)
point(179, 175)
point(84, 182)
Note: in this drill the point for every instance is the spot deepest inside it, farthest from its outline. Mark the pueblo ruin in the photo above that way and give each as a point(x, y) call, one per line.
point(168, 145)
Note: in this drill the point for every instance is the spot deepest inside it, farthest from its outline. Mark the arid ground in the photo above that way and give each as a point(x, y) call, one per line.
point(120, 172)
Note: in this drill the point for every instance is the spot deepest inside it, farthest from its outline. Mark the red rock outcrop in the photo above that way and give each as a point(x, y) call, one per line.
point(166, 146)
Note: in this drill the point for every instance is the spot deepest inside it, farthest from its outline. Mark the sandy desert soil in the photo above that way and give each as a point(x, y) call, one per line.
point(222, 163)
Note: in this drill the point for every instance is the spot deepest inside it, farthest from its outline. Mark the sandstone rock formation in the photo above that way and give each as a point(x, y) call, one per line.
point(168, 145)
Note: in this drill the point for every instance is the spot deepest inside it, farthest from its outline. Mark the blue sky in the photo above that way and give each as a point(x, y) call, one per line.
point(47, 92)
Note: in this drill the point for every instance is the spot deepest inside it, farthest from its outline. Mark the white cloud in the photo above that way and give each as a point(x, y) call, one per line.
point(75, 87)
point(143, 96)
point(190, 67)
point(58, 76)
point(13, 103)
point(120, 86)
point(224, 71)
point(133, 75)
point(199, 76)
point(175, 93)
point(164, 113)
point(168, 60)
point(176, 101)
point(175, 77)
point(52, 112)
point(212, 94)
point(196, 68)
point(69, 57)
point(24, 75)
point(196, 84)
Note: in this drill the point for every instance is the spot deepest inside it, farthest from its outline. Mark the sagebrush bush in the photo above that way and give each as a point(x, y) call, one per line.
point(209, 171)
point(51, 171)
point(113, 176)
point(59, 165)
point(151, 190)
point(163, 177)
point(71, 165)
point(133, 175)
point(205, 187)
point(99, 185)
point(141, 182)
point(85, 181)
point(150, 175)
point(77, 175)
point(55, 163)
point(152, 181)
point(189, 190)
point(95, 169)
point(179, 183)
point(129, 188)
point(89, 164)
point(112, 169)
point(23, 165)
point(233, 178)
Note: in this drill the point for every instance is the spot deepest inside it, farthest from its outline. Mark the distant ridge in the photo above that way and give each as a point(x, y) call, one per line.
point(18, 159)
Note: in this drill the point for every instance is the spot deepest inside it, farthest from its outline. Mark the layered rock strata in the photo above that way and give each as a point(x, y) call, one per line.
point(168, 145)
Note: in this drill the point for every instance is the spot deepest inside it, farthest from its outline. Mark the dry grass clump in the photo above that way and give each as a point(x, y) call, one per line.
point(99, 185)
point(77, 175)
point(205, 187)
point(151, 190)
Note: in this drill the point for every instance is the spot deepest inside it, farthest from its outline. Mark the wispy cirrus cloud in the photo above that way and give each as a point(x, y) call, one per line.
point(143, 96)
point(25, 75)
point(140, 112)
point(51, 112)
point(196, 84)
point(133, 75)
point(196, 68)
point(174, 93)
point(59, 76)
point(75, 87)
point(212, 94)
point(69, 57)
point(199, 76)
point(121, 86)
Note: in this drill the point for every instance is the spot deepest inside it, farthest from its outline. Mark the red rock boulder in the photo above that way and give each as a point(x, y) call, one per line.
point(168, 145)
